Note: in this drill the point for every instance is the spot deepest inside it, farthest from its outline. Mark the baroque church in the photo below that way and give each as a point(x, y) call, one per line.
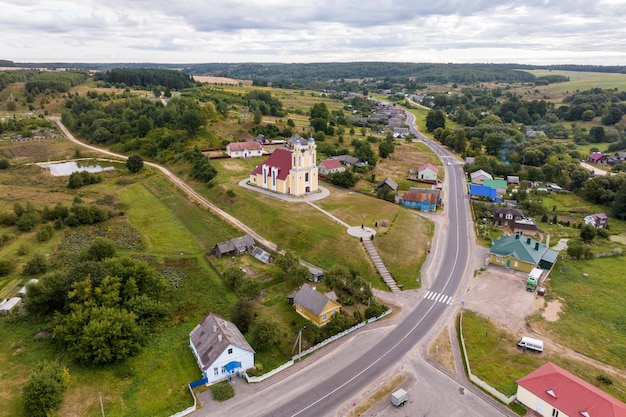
point(289, 172)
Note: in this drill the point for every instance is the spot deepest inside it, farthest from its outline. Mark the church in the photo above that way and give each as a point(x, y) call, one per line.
point(289, 172)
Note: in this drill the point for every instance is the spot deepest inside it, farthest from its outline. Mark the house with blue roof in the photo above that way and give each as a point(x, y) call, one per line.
point(521, 253)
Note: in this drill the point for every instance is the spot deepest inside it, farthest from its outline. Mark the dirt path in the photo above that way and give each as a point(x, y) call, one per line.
point(191, 193)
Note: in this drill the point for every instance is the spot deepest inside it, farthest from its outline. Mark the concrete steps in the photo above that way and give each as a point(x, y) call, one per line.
point(380, 266)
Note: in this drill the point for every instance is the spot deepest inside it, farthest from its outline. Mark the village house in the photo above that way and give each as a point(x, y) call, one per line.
point(289, 172)
point(427, 173)
point(330, 166)
point(550, 391)
point(236, 246)
point(419, 200)
point(597, 158)
point(244, 149)
point(478, 177)
point(526, 227)
point(347, 160)
point(220, 349)
point(504, 216)
point(389, 183)
point(597, 220)
point(521, 253)
point(313, 305)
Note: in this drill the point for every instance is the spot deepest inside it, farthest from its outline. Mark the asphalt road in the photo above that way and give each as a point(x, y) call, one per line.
point(311, 394)
point(323, 387)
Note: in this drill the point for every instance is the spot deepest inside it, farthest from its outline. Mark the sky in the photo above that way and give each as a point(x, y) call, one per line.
point(541, 32)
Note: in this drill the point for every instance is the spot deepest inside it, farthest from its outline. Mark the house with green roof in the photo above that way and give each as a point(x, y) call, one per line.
point(521, 253)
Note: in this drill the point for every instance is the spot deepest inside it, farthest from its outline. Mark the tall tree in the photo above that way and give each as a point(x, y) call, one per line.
point(435, 119)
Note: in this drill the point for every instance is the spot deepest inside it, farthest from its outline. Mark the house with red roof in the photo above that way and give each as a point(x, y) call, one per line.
point(419, 200)
point(551, 391)
point(330, 166)
point(598, 158)
point(427, 173)
point(244, 149)
point(289, 172)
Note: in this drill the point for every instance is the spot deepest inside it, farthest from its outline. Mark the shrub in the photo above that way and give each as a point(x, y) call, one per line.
point(44, 233)
point(222, 391)
point(43, 392)
point(4, 163)
point(36, 265)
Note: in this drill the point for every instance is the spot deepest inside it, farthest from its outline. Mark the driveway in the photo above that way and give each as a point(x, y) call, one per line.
point(501, 295)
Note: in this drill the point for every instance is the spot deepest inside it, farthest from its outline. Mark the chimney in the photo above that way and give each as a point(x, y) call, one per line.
point(536, 245)
point(528, 241)
point(516, 236)
point(219, 338)
point(214, 328)
point(548, 241)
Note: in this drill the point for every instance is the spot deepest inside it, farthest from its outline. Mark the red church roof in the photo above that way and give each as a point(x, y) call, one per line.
point(570, 394)
point(281, 159)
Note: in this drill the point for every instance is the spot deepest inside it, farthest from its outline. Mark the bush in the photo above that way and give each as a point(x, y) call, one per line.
point(4, 163)
point(43, 392)
point(45, 233)
point(36, 265)
point(6, 267)
point(222, 391)
point(603, 233)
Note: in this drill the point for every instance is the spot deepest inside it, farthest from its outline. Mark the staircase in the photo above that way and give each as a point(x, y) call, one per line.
point(380, 266)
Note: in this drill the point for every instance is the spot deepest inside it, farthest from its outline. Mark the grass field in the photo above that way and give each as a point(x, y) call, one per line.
point(495, 358)
point(593, 319)
point(580, 81)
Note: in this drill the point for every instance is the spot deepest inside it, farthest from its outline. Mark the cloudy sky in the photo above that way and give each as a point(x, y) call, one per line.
point(196, 31)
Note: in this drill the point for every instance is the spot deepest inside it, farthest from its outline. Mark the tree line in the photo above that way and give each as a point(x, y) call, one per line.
point(146, 78)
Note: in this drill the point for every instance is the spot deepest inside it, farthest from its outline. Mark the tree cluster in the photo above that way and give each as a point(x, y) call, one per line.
point(82, 178)
point(104, 307)
point(60, 81)
point(146, 78)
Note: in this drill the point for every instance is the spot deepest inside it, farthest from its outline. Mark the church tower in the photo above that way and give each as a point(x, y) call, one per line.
point(303, 173)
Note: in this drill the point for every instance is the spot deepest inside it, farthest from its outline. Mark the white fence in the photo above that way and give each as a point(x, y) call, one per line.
point(475, 379)
point(188, 410)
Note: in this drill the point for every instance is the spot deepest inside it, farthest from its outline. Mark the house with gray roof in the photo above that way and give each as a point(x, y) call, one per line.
point(236, 246)
point(220, 349)
point(313, 305)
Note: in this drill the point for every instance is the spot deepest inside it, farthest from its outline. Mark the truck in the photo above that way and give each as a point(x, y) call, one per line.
point(399, 397)
point(533, 279)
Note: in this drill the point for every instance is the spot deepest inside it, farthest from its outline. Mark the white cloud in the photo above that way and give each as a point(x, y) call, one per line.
point(533, 31)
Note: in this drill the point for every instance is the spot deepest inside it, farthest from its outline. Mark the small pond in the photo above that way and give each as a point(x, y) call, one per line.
point(61, 169)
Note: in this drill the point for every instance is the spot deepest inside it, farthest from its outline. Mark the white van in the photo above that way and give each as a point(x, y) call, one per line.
point(530, 343)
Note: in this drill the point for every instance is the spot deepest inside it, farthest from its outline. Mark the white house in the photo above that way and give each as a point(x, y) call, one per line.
point(478, 177)
point(597, 220)
point(427, 172)
point(550, 391)
point(330, 166)
point(220, 349)
point(244, 149)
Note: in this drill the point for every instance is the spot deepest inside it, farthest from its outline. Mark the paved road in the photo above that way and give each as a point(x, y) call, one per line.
point(312, 392)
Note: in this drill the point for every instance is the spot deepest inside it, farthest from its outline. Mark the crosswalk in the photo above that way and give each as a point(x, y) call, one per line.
point(439, 298)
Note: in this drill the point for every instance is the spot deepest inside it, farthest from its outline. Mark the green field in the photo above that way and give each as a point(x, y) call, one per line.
point(580, 81)
point(592, 308)
point(495, 358)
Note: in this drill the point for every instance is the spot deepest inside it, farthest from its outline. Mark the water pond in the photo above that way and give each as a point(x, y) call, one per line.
point(61, 169)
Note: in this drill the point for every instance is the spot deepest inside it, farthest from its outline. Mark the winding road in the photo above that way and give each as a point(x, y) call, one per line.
point(322, 388)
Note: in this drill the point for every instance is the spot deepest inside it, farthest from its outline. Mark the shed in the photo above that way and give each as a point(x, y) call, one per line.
point(389, 183)
point(7, 306)
point(236, 246)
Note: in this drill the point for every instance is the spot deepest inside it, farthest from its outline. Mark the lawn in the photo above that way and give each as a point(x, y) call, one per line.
point(164, 233)
point(495, 358)
point(593, 319)
point(580, 81)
